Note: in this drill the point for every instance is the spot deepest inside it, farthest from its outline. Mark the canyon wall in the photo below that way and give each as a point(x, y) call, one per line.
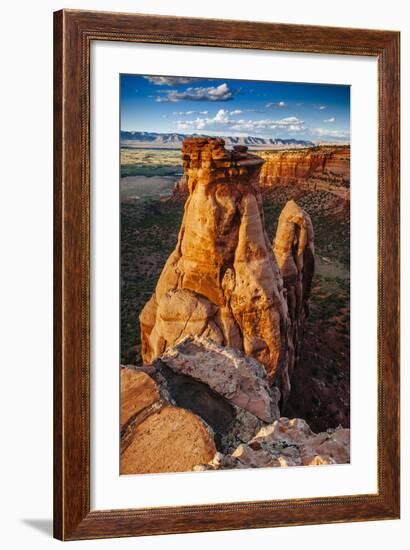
point(322, 168)
point(222, 281)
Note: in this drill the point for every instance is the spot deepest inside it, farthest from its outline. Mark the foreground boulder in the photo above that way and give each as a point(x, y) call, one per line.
point(157, 436)
point(169, 440)
point(193, 400)
point(222, 280)
point(240, 380)
point(201, 406)
point(228, 390)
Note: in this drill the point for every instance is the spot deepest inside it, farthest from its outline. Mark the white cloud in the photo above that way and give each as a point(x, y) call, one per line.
point(169, 80)
point(332, 134)
point(277, 104)
point(212, 93)
point(189, 113)
point(241, 111)
point(223, 120)
point(321, 107)
point(331, 119)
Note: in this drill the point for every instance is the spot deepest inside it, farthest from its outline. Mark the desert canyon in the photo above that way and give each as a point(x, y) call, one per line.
point(228, 376)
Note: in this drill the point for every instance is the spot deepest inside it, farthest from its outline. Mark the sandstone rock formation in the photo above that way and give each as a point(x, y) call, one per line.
point(200, 406)
point(294, 251)
point(239, 379)
point(322, 168)
point(138, 391)
point(196, 398)
point(222, 280)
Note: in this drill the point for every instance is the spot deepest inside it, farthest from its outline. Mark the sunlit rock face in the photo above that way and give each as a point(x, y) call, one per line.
point(223, 281)
point(294, 251)
point(196, 398)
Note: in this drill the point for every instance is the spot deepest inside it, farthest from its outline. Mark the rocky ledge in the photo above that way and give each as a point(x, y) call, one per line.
point(200, 406)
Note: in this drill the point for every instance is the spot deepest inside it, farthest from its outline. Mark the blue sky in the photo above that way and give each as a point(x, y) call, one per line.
point(317, 112)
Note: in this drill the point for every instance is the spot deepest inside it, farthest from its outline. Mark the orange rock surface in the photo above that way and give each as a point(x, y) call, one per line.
point(170, 440)
point(222, 280)
point(322, 168)
point(294, 251)
point(138, 391)
point(155, 435)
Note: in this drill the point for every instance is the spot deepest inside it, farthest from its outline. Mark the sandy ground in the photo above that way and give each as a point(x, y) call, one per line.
point(137, 187)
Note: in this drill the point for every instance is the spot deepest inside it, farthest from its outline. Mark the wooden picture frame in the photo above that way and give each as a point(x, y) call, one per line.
point(74, 32)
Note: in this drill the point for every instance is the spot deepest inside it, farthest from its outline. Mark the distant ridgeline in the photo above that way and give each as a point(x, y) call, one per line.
point(311, 167)
point(172, 141)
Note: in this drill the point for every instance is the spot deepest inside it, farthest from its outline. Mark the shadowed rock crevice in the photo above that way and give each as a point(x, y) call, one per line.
point(196, 396)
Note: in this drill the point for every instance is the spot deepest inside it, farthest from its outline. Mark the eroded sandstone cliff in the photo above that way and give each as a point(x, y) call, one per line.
point(321, 168)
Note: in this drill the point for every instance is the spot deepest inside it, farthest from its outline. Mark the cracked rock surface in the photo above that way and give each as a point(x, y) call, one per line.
point(200, 406)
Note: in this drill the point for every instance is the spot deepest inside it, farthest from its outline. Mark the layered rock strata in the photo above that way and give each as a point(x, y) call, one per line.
point(222, 280)
point(156, 435)
point(322, 168)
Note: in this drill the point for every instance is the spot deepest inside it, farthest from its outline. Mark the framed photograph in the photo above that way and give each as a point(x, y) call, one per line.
point(226, 275)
